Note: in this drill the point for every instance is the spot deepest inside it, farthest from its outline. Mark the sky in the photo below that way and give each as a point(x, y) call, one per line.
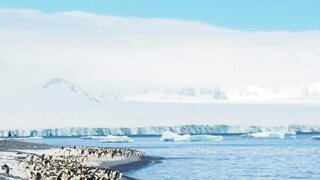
point(104, 45)
point(129, 44)
point(248, 15)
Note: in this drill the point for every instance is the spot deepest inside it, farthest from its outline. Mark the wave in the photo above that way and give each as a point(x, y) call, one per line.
point(109, 139)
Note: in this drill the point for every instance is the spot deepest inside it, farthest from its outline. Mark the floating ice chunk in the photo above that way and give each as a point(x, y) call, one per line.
point(316, 137)
point(171, 136)
point(205, 138)
point(110, 139)
point(268, 134)
point(293, 137)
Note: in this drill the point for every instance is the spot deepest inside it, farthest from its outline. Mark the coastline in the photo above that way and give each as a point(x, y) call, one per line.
point(16, 145)
point(133, 164)
point(13, 148)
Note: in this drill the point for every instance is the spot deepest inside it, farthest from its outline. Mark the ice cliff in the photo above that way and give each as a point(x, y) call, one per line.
point(158, 130)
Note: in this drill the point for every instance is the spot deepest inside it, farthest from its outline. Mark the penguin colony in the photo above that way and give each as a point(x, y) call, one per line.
point(69, 164)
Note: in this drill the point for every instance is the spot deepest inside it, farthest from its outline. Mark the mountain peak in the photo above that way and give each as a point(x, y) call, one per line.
point(54, 81)
point(61, 84)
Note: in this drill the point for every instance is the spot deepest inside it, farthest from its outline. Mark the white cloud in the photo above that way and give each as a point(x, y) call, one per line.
point(99, 52)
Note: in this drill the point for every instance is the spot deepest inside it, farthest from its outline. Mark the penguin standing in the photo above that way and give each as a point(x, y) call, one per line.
point(6, 168)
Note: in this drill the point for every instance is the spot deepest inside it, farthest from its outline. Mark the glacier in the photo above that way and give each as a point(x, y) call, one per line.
point(159, 130)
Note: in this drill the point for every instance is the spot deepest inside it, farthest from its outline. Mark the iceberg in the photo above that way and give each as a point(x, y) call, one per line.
point(110, 139)
point(293, 136)
point(205, 138)
point(316, 137)
point(269, 134)
point(171, 136)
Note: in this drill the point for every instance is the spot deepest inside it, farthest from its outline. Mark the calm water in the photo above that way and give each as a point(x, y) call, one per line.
point(233, 158)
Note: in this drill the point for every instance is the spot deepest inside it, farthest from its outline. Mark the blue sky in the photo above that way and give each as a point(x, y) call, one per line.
point(248, 15)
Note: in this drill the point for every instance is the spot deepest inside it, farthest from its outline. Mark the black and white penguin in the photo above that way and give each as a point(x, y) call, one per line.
point(6, 168)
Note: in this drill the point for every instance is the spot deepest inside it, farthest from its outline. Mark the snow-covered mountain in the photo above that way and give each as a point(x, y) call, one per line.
point(58, 103)
point(303, 91)
point(182, 95)
point(251, 93)
point(62, 87)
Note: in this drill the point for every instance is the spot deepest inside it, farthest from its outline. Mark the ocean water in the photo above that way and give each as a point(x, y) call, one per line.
point(233, 158)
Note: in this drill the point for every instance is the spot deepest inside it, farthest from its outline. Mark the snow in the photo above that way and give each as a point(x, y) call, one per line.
point(10, 158)
point(61, 85)
point(257, 93)
point(303, 92)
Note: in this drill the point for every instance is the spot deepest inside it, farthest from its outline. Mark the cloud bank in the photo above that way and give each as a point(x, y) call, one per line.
point(102, 52)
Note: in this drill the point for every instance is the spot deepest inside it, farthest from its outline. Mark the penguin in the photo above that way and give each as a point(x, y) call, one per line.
point(38, 176)
point(6, 168)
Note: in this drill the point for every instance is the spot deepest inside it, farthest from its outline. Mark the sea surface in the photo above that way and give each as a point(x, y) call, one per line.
point(235, 157)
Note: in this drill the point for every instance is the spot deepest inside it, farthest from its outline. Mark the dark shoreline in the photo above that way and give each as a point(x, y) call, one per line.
point(136, 165)
point(13, 145)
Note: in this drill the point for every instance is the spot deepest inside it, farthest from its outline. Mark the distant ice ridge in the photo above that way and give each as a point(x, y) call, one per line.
point(159, 130)
point(171, 136)
point(250, 93)
point(284, 92)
